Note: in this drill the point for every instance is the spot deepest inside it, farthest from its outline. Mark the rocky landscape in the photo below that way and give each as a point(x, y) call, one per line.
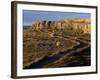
point(68, 24)
point(64, 43)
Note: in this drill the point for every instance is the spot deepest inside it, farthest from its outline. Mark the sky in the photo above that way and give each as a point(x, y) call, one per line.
point(30, 15)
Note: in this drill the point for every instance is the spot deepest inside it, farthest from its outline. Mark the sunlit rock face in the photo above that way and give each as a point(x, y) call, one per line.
point(68, 24)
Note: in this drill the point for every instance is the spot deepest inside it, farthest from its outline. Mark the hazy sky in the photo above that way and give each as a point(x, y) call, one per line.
point(30, 15)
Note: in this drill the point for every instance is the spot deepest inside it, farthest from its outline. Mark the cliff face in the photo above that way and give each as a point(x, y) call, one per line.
point(68, 24)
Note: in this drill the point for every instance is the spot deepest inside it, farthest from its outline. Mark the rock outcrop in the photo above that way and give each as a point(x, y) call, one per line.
point(68, 24)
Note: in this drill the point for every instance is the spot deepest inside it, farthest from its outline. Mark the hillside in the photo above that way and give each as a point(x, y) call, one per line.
point(52, 40)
